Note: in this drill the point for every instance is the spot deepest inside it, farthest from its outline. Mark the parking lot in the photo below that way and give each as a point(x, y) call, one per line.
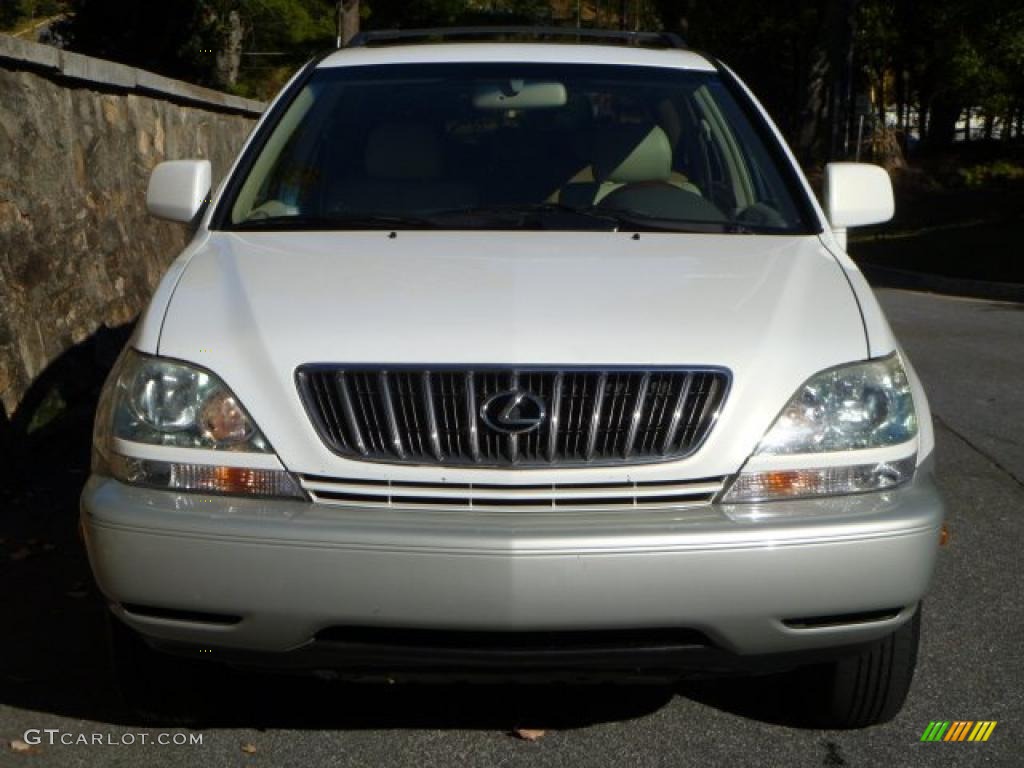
point(970, 355)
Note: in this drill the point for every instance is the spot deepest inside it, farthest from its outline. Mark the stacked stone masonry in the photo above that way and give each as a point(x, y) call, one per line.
point(78, 139)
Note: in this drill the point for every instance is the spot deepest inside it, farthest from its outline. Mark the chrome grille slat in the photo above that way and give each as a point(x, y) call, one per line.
point(368, 407)
point(433, 415)
point(679, 494)
point(428, 405)
point(677, 415)
point(350, 414)
point(321, 390)
point(638, 409)
point(595, 418)
point(474, 432)
point(555, 418)
point(389, 414)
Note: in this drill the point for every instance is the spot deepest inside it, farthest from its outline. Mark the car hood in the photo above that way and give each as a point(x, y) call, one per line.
point(771, 309)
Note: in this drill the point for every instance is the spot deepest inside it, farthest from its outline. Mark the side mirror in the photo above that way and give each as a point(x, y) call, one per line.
point(857, 194)
point(178, 189)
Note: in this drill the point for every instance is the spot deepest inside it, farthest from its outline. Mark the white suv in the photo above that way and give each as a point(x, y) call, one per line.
point(518, 359)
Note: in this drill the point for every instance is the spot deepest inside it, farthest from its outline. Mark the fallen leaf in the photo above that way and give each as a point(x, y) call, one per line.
point(528, 734)
point(20, 746)
point(249, 749)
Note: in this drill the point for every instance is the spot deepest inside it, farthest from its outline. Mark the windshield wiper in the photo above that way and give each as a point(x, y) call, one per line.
point(613, 219)
point(547, 216)
point(629, 218)
point(521, 213)
point(340, 222)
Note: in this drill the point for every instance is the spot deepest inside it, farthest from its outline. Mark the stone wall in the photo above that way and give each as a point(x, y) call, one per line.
point(78, 139)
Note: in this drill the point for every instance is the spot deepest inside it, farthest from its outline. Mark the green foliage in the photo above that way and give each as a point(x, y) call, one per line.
point(14, 12)
point(943, 55)
point(385, 14)
point(996, 172)
point(183, 39)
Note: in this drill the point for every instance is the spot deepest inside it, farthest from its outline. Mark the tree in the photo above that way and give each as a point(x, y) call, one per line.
point(14, 11)
point(204, 41)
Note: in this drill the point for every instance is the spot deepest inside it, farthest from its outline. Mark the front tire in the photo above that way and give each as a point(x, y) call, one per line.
point(870, 687)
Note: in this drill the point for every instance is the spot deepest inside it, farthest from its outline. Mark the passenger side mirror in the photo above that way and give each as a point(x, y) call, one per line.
point(178, 189)
point(857, 194)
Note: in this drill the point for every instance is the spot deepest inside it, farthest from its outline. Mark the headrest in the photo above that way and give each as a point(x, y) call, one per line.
point(632, 153)
point(403, 152)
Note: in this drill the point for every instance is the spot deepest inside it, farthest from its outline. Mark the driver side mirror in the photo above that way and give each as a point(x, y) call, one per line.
point(178, 189)
point(857, 194)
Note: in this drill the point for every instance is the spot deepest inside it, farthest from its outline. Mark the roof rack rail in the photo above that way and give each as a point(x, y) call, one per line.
point(384, 36)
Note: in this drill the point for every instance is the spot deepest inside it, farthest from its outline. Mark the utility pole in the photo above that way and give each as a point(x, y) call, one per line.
point(579, 12)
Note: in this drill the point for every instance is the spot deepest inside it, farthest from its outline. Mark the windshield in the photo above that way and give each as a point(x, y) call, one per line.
point(514, 146)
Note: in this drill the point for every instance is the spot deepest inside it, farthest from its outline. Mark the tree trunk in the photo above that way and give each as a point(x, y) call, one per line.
point(881, 98)
point(809, 142)
point(824, 103)
point(901, 101)
point(229, 54)
point(348, 26)
point(944, 114)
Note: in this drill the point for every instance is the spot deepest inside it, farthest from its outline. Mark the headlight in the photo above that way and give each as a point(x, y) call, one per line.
point(160, 402)
point(856, 408)
point(164, 402)
point(865, 405)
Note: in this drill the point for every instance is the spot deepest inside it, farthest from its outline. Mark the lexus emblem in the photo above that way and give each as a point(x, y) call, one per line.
point(513, 412)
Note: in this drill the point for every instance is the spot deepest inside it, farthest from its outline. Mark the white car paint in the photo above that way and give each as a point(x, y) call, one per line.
point(274, 301)
point(483, 53)
point(270, 302)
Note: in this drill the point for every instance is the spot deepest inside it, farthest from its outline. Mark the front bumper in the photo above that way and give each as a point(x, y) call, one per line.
point(249, 575)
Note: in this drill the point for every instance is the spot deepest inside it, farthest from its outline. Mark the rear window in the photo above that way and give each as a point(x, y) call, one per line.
point(523, 146)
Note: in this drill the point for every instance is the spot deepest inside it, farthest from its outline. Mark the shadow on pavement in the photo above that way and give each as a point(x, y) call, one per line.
point(51, 646)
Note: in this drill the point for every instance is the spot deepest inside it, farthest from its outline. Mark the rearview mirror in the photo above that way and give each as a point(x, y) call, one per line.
point(178, 189)
point(519, 94)
point(857, 194)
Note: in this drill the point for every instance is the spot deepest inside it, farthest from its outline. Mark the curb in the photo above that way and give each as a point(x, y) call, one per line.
point(886, 277)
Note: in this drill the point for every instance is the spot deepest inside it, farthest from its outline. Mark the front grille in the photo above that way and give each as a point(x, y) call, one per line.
point(665, 494)
point(446, 416)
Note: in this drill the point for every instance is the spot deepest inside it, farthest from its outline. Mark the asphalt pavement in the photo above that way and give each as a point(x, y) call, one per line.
point(970, 355)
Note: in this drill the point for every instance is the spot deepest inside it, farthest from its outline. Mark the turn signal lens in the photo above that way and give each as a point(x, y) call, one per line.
point(824, 481)
point(203, 478)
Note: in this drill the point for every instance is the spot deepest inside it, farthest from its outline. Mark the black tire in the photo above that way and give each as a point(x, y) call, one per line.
point(868, 688)
point(158, 688)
